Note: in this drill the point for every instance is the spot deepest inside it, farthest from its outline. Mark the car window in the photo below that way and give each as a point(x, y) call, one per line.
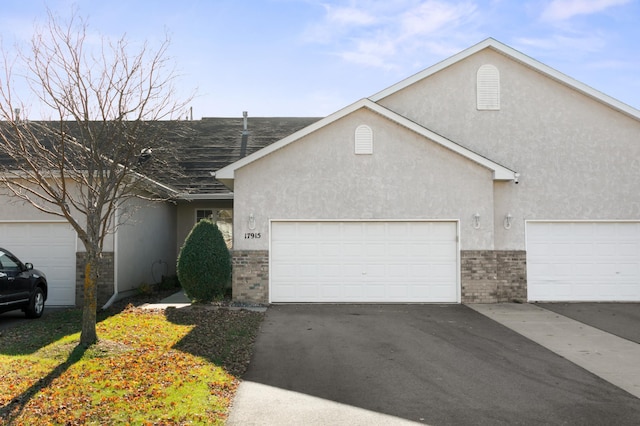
point(8, 264)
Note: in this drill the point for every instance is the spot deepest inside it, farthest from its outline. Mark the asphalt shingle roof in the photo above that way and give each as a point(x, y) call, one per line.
point(207, 145)
point(190, 151)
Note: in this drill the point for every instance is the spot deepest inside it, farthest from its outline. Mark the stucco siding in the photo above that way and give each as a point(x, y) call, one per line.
point(146, 245)
point(578, 158)
point(320, 177)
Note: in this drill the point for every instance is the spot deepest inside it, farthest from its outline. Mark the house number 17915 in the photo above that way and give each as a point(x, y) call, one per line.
point(252, 235)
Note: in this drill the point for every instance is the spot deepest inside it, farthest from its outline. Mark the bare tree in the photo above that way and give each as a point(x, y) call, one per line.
point(93, 153)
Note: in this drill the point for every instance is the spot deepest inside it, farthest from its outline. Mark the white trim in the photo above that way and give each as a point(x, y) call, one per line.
point(226, 175)
point(205, 197)
point(523, 59)
point(458, 244)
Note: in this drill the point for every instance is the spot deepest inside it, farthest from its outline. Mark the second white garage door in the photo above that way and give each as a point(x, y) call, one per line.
point(51, 247)
point(368, 261)
point(583, 261)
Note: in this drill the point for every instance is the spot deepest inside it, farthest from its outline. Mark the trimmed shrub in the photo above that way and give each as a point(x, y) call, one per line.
point(204, 263)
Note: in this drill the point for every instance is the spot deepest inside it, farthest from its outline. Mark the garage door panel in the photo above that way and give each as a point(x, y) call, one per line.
point(365, 262)
point(51, 247)
point(583, 261)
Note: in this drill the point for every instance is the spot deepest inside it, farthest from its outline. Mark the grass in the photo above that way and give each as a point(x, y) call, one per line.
point(179, 366)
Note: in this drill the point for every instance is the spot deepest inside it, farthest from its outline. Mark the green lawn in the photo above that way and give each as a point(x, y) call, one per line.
point(179, 366)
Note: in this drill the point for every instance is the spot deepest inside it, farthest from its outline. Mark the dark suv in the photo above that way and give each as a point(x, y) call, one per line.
point(21, 286)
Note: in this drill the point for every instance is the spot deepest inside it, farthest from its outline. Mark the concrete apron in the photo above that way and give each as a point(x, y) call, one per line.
point(612, 358)
point(255, 402)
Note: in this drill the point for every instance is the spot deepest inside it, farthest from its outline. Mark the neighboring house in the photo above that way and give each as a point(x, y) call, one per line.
point(489, 177)
point(145, 247)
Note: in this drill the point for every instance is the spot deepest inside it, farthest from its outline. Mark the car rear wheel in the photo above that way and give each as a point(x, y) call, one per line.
point(36, 304)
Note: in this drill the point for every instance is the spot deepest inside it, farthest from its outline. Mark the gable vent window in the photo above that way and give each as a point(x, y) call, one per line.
point(364, 140)
point(488, 96)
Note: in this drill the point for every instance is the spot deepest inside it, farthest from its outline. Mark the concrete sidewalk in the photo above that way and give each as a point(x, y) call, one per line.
point(612, 358)
point(180, 300)
point(177, 300)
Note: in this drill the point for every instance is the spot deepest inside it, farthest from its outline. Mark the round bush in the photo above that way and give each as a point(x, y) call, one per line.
point(204, 263)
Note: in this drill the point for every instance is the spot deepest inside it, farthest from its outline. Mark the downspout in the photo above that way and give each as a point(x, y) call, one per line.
point(114, 297)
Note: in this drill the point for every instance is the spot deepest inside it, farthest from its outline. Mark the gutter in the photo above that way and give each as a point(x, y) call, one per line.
point(194, 197)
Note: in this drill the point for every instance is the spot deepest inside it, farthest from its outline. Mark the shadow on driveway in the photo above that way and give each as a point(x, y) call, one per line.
point(434, 364)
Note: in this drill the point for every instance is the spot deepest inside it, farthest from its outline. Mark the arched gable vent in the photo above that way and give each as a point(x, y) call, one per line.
point(364, 140)
point(488, 95)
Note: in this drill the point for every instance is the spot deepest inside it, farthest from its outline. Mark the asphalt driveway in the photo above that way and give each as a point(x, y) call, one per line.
point(432, 364)
point(620, 319)
point(14, 318)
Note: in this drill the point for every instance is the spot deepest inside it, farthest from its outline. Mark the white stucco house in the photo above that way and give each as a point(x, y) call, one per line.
point(488, 177)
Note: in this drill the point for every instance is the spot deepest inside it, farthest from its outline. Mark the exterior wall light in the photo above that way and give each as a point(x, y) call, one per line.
point(476, 221)
point(252, 221)
point(507, 221)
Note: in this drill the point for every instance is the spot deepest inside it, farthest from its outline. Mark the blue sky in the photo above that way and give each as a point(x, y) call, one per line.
point(313, 57)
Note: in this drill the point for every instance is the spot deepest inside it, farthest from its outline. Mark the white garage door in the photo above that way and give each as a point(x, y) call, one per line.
point(364, 262)
point(51, 247)
point(583, 261)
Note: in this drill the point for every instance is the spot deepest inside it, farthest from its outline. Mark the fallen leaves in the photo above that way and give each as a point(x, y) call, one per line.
point(149, 367)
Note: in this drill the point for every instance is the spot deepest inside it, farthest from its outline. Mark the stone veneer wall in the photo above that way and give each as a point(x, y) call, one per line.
point(250, 282)
point(105, 281)
point(490, 276)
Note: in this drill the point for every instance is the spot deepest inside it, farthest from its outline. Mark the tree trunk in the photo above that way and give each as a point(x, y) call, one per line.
point(89, 335)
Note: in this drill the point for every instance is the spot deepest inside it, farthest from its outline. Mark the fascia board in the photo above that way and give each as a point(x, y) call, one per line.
point(431, 70)
point(566, 80)
point(159, 187)
point(522, 58)
point(499, 172)
point(226, 175)
point(205, 197)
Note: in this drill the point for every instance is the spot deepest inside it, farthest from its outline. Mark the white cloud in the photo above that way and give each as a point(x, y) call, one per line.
point(432, 16)
point(567, 45)
point(349, 16)
point(560, 10)
point(380, 33)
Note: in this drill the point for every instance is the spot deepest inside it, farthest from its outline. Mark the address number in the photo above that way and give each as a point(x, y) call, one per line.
point(252, 235)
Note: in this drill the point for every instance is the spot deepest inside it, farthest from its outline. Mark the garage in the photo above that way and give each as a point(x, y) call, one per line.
point(364, 261)
point(583, 261)
point(51, 247)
